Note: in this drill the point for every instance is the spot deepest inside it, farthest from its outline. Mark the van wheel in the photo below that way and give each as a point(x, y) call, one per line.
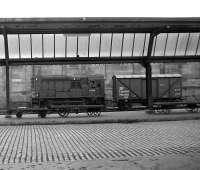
point(98, 113)
point(19, 114)
point(63, 113)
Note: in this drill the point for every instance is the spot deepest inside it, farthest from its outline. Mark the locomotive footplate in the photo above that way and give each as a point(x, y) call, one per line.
point(76, 106)
point(62, 110)
point(58, 107)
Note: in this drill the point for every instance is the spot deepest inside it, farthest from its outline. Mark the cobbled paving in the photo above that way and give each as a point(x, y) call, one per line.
point(51, 143)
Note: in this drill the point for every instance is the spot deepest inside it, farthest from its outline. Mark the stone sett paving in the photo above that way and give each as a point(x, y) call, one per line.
point(67, 143)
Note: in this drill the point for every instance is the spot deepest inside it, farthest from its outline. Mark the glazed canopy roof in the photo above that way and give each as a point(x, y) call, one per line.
point(99, 37)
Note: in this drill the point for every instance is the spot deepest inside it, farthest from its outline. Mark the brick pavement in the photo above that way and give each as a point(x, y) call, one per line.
point(58, 143)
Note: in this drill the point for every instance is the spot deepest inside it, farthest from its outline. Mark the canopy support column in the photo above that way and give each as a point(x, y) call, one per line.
point(149, 86)
point(147, 64)
point(8, 115)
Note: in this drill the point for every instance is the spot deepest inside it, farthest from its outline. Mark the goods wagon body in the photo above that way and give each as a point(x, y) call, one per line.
point(129, 89)
point(63, 90)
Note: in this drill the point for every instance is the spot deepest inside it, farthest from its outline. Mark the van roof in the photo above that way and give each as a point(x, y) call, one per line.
point(69, 77)
point(143, 76)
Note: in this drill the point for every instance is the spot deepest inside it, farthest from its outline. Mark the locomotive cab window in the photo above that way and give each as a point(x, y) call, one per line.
point(76, 84)
point(98, 83)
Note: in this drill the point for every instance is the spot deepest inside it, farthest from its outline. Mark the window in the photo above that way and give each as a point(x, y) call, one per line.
point(13, 46)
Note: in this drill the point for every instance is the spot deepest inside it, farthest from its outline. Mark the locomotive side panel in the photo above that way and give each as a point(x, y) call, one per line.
point(53, 88)
point(50, 89)
point(75, 90)
point(68, 90)
point(61, 87)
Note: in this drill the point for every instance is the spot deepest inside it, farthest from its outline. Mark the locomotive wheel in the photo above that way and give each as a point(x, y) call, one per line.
point(43, 114)
point(156, 111)
point(91, 114)
point(166, 111)
point(19, 114)
point(88, 113)
point(97, 113)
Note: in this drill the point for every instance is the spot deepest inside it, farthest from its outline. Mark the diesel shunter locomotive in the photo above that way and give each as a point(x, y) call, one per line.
point(65, 94)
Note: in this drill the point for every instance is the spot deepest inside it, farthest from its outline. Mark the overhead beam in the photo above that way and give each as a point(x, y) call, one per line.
point(98, 25)
point(99, 60)
point(93, 28)
point(176, 59)
point(148, 68)
point(72, 60)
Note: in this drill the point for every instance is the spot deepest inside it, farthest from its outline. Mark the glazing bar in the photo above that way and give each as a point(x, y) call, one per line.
point(122, 45)
point(144, 44)
point(42, 46)
point(166, 40)
point(197, 45)
point(19, 45)
point(89, 45)
point(100, 45)
point(65, 45)
point(54, 45)
point(111, 42)
point(176, 44)
point(31, 46)
point(133, 44)
point(77, 39)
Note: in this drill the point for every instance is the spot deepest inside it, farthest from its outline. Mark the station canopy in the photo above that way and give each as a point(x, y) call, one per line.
point(99, 40)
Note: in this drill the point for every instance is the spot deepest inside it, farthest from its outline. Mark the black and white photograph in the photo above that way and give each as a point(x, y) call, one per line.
point(100, 85)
